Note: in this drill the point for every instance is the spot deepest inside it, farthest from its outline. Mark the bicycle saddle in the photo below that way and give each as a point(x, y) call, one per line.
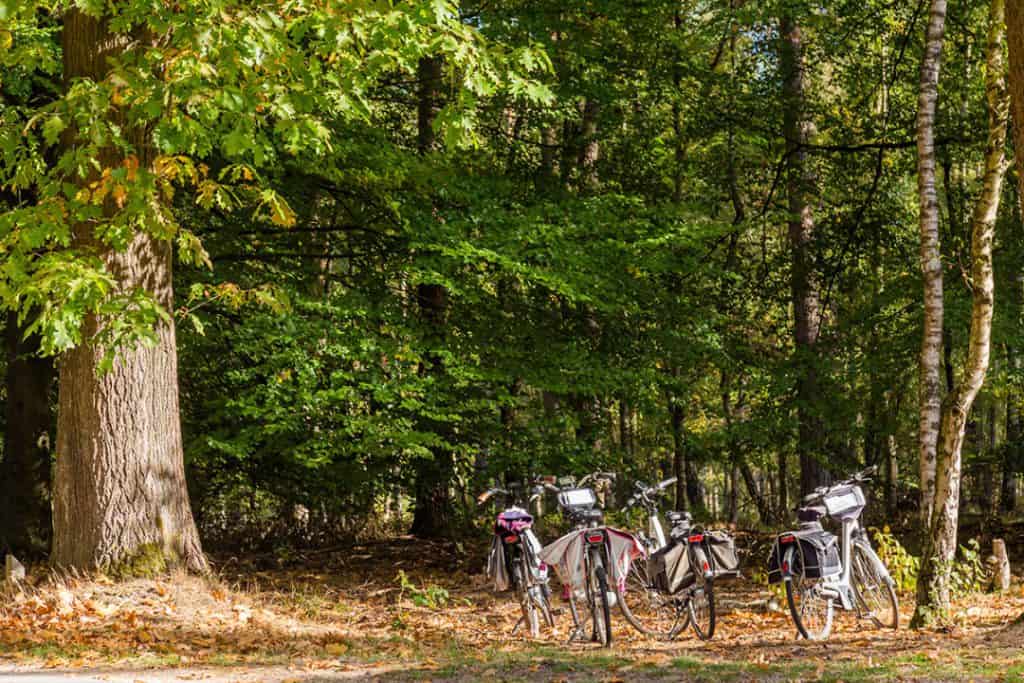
point(810, 514)
point(589, 515)
point(678, 518)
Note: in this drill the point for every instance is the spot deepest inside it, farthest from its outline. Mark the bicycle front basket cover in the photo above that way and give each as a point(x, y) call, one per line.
point(670, 567)
point(722, 550)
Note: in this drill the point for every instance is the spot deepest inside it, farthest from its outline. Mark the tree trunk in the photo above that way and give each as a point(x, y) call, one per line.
point(689, 492)
point(1013, 448)
point(589, 148)
point(1014, 453)
point(940, 547)
point(432, 506)
point(931, 260)
point(25, 523)
point(734, 494)
point(119, 485)
point(805, 280)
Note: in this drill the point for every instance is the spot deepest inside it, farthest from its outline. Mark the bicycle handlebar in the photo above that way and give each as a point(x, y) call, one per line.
point(860, 477)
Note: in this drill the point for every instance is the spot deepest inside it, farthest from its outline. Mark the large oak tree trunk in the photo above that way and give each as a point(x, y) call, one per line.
point(804, 279)
point(25, 526)
point(930, 387)
point(933, 585)
point(119, 484)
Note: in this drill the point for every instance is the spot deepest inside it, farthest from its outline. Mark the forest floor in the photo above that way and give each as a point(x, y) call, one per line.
point(348, 615)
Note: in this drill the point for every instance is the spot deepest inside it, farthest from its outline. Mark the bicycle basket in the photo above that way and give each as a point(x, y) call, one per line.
point(844, 502)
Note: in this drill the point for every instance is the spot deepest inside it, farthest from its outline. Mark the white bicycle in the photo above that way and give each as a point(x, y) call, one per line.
point(821, 571)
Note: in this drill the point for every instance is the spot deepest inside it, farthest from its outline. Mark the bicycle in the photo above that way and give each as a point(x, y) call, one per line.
point(820, 570)
point(675, 585)
point(513, 560)
point(592, 559)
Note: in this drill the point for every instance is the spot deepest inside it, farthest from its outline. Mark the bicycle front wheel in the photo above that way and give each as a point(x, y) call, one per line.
point(874, 589)
point(812, 612)
point(702, 610)
point(647, 609)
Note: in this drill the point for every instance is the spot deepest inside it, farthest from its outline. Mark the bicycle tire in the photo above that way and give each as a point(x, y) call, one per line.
point(705, 630)
point(601, 609)
point(526, 602)
point(872, 589)
point(658, 606)
point(798, 594)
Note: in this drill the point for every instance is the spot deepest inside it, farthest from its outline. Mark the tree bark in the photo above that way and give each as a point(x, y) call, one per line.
point(929, 362)
point(432, 506)
point(589, 147)
point(1014, 454)
point(689, 492)
point(804, 278)
point(25, 520)
point(933, 592)
point(119, 484)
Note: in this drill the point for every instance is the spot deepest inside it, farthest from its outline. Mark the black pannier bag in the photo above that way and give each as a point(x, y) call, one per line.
point(819, 549)
point(670, 568)
point(722, 552)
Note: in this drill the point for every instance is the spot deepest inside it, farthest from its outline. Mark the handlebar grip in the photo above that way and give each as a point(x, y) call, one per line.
point(668, 482)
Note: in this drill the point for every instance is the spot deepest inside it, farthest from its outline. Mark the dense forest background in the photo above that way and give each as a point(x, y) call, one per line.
point(421, 247)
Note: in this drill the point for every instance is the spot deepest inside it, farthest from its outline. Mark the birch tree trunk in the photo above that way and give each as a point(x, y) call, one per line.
point(119, 484)
point(930, 387)
point(804, 279)
point(940, 546)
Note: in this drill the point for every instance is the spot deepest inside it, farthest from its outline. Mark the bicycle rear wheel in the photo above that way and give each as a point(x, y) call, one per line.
point(812, 612)
point(600, 607)
point(702, 610)
point(531, 617)
point(873, 588)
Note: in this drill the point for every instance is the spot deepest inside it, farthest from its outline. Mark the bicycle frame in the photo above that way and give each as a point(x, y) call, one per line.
point(839, 587)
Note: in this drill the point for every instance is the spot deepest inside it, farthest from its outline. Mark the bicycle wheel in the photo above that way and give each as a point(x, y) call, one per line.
point(812, 612)
point(647, 609)
point(526, 601)
point(600, 607)
point(874, 590)
point(702, 610)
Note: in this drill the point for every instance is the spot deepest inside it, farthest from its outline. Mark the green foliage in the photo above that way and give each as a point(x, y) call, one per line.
point(969, 574)
point(431, 596)
point(902, 566)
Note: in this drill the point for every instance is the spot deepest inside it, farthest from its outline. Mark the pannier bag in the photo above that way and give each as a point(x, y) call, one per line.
point(722, 552)
point(497, 566)
point(670, 568)
point(819, 550)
